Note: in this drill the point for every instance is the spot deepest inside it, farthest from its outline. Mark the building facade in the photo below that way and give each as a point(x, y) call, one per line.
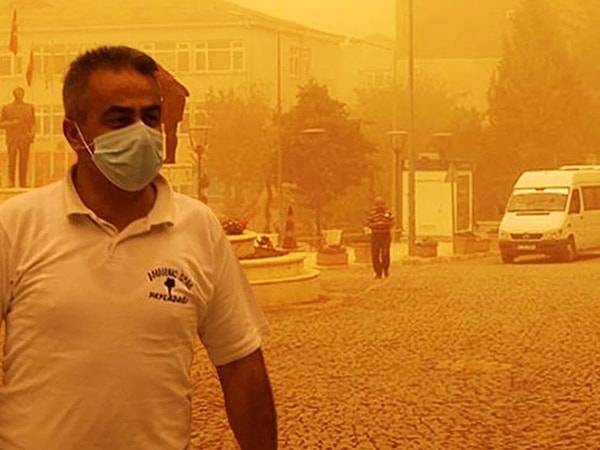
point(208, 45)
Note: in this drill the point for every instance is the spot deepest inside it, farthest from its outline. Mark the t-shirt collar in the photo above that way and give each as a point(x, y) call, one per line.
point(163, 211)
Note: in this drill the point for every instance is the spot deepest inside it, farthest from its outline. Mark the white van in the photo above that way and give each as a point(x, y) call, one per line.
point(552, 212)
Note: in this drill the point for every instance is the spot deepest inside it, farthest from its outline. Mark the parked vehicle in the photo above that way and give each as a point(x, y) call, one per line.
point(552, 212)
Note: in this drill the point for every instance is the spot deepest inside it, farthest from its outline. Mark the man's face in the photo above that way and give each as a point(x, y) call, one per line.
point(18, 94)
point(118, 99)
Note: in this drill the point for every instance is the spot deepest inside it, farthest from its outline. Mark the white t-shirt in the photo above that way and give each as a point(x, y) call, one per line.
point(100, 325)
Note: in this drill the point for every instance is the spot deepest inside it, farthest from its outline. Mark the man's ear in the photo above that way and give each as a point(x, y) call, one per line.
point(72, 136)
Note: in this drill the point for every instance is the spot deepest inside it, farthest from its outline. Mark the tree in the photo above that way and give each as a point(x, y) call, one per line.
point(243, 144)
point(538, 109)
point(582, 20)
point(325, 151)
point(435, 111)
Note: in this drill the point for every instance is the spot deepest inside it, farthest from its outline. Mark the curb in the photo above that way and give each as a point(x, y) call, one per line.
point(418, 260)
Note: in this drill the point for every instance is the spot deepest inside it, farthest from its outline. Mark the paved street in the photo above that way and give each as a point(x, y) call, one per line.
point(462, 355)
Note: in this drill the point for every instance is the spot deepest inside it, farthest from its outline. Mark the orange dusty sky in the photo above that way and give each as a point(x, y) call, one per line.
point(350, 17)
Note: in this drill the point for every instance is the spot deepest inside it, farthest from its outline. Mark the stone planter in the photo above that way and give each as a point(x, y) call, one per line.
point(465, 245)
point(426, 249)
point(362, 252)
point(482, 245)
point(332, 256)
point(332, 237)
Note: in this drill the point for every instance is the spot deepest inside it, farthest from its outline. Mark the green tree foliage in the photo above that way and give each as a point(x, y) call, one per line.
point(242, 148)
point(538, 107)
point(325, 152)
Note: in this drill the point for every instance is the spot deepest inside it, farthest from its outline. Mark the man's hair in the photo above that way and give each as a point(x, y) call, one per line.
point(115, 58)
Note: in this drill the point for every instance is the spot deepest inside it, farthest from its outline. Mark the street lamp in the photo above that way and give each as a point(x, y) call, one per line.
point(397, 142)
point(199, 141)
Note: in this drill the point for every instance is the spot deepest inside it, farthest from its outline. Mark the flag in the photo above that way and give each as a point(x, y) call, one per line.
point(13, 40)
point(30, 68)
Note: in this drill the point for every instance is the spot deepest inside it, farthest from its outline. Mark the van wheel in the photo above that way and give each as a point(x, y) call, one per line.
point(569, 252)
point(507, 258)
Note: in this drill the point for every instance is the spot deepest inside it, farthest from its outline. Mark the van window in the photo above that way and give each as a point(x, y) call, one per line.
point(575, 205)
point(591, 197)
point(538, 200)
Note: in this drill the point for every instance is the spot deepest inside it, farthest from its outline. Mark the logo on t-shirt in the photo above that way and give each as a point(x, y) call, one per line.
point(169, 280)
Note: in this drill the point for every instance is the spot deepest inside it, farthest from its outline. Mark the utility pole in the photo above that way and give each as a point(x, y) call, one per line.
point(398, 157)
point(412, 225)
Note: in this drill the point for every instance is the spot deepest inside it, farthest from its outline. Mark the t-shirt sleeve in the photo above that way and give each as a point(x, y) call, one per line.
point(234, 322)
point(4, 272)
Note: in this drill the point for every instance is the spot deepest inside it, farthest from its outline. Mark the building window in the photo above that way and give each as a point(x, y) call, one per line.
point(375, 78)
point(219, 56)
point(10, 65)
point(52, 60)
point(183, 57)
point(206, 56)
point(48, 120)
point(299, 62)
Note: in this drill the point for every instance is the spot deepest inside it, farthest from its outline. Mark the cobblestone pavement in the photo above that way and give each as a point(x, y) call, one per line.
point(469, 354)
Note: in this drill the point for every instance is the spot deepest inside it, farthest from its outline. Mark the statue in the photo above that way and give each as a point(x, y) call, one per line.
point(174, 94)
point(18, 119)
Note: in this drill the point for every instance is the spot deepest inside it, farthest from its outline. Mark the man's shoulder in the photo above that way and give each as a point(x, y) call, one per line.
point(32, 198)
point(192, 207)
point(31, 204)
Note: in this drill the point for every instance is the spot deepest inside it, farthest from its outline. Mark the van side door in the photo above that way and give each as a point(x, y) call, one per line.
point(591, 211)
point(577, 221)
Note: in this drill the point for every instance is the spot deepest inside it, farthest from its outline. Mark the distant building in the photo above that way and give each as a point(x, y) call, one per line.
point(220, 45)
point(206, 44)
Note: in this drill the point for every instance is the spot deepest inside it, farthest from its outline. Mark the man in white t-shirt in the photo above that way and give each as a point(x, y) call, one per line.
point(107, 277)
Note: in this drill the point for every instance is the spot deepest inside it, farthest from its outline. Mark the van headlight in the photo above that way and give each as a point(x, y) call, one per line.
point(503, 235)
point(553, 234)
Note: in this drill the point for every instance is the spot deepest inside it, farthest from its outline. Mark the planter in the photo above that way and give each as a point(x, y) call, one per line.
point(483, 245)
point(362, 252)
point(465, 245)
point(332, 237)
point(332, 256)
point(426, 249)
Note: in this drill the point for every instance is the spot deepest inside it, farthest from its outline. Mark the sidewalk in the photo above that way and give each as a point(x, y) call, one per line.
point(399, 255)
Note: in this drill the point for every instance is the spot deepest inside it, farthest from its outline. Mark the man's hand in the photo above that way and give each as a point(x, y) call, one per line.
point(249, 402)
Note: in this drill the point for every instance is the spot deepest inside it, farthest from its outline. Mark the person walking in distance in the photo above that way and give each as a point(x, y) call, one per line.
point(18, 119)
point(380, 222)
point(109, 277)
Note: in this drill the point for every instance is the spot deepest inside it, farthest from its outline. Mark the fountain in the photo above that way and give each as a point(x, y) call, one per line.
point(277, 276)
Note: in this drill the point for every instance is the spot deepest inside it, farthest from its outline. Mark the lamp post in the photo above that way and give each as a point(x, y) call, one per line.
point(412, 222)
point(397, 142)
point(199, 141)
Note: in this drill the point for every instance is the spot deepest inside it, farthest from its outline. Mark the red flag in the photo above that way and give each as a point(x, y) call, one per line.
point(30, 68)
point(13, 41)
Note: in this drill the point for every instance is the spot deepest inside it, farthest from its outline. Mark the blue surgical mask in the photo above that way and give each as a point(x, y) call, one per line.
point(129, 157)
